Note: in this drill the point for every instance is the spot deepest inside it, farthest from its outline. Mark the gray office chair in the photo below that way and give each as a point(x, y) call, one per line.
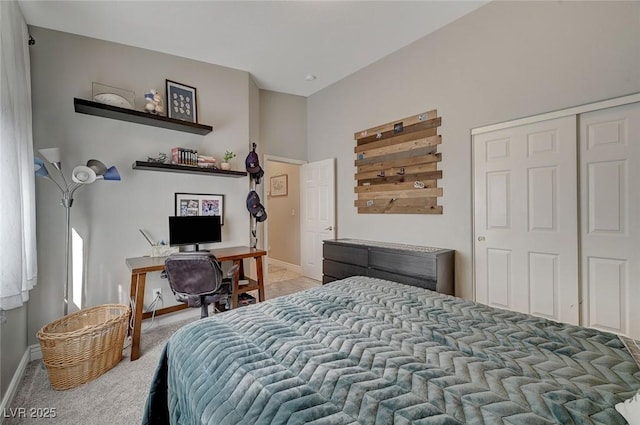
point(197, 280)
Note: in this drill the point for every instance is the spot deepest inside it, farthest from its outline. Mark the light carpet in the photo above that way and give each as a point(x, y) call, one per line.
point(118, 396)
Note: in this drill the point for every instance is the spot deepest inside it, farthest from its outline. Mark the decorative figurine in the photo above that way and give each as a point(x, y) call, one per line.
point(154, 104)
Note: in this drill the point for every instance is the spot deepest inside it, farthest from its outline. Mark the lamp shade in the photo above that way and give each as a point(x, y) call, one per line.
point(39, 167)
point(97, 166)
point(83, 175)
point(111, 174)
point(51, 154)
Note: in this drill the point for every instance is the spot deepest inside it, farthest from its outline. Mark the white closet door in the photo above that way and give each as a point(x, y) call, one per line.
point(526, 219)
point(610, 213)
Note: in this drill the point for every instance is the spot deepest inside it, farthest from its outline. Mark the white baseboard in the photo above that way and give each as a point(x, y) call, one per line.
point(188, 314)
point(35, 352)
point(293, 267)
point(32, 352)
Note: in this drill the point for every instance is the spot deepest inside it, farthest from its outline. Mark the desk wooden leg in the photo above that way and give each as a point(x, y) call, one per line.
point(261, 296)
point(137, 281)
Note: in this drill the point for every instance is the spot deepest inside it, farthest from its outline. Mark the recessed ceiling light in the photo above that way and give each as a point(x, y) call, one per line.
point(310, 77)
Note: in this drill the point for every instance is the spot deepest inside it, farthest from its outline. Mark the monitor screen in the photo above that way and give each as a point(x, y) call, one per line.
point(194, 230)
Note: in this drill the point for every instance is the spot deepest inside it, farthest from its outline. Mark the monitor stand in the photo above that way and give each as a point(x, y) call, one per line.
point(192, 248)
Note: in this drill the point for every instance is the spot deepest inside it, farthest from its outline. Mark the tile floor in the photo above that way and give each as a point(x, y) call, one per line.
point(278, 273)
point(282, 281)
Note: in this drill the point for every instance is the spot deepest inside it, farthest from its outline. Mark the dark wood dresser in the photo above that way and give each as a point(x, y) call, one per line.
point(426, 267)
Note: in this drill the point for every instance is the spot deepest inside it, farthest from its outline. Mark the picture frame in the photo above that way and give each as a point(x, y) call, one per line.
point(279, 185)
point(181, 102)
point(199, 204)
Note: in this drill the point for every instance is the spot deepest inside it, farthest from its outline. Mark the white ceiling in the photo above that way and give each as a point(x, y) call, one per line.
point(278, 42)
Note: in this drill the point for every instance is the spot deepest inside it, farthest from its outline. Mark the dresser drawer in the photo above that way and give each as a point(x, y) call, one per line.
point(404, 263)
point(407, 280)
point(342, 270)
point(345, 254)
point(421, 266)
point(328, 279)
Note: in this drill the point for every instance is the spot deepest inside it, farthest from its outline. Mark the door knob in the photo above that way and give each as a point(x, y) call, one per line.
point(480, 238)
point(329, 228)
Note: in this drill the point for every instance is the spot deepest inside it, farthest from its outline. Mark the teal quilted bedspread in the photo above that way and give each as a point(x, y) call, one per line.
point(369, 351)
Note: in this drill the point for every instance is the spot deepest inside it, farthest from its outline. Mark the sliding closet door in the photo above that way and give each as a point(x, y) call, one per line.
point(610, 204)
point(526, 220)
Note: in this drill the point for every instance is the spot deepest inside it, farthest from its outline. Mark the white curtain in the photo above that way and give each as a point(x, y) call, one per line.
point(18, 262)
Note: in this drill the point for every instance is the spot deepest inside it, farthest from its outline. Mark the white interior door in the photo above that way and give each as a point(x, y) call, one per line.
point(317, 203)
point(610, 202)
point(526, 220)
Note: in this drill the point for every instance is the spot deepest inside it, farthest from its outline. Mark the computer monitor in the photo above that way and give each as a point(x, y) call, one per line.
point(193, 230)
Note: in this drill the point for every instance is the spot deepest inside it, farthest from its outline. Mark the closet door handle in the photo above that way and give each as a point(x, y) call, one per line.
point(328, 228)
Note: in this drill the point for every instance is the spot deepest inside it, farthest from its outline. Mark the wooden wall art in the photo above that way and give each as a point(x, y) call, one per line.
point(396, 167)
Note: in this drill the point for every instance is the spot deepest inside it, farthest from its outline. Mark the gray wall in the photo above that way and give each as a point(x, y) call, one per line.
point(504, 61)
point(283, 124)
point(13, 343)
point(254, 136)
point(107, 215)
point(283, 133)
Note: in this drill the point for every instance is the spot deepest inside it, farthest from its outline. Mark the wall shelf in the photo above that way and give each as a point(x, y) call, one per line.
point(89, 107)
point(173, 168)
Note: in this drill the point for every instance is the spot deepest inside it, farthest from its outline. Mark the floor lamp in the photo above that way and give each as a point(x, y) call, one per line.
point(51, 168)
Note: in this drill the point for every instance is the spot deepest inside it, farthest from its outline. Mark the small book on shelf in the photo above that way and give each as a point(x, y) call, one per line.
point(184, 156)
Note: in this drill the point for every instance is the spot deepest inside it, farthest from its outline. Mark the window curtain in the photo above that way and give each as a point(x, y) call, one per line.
point(18, 262)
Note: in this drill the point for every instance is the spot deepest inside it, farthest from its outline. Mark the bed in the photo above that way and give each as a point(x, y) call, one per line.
point(370, 351)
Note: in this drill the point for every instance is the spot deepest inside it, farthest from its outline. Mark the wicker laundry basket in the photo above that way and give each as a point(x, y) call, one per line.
point(81, 346)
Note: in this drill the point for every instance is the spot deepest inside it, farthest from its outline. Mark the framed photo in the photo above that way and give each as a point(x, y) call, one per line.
point(181, 102)
point(278, 185)
point(200, 204)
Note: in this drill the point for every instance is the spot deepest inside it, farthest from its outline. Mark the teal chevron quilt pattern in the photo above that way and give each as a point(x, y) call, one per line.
point(370, 351)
